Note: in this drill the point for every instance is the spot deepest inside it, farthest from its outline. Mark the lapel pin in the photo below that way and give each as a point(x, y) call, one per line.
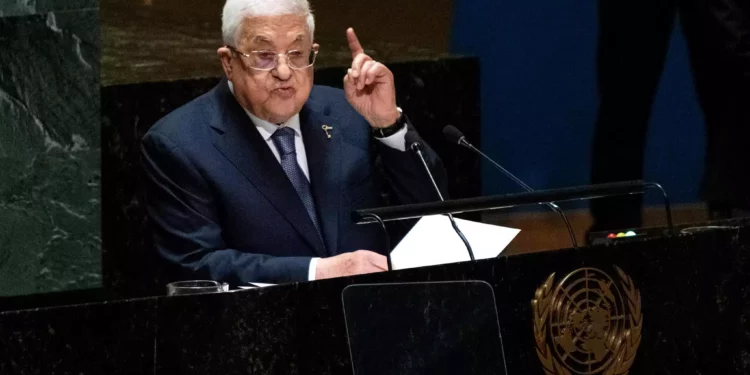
point(326, 128)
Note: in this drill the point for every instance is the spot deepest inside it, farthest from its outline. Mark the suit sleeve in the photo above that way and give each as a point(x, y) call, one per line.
point(186, 230)
point(406, 175)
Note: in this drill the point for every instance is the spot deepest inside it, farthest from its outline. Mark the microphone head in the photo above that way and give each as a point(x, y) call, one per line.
point(453, 135)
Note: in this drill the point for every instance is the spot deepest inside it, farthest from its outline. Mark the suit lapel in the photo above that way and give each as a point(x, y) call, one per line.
point(249, 153)
point(324, 165)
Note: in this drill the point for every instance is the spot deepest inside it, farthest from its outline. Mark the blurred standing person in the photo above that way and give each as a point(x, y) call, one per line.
point(633, 41)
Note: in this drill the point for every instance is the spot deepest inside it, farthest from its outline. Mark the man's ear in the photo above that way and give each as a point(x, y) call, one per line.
point(225, 54)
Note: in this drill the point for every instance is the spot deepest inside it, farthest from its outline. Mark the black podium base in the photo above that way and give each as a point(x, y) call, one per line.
point(653, 306)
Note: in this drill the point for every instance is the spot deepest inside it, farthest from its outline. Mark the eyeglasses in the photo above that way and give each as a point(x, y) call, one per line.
point(269, 60)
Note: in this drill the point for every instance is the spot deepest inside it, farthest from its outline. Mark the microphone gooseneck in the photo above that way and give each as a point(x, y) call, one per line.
point(453, 135)
point(386, 240)
point(416, 147)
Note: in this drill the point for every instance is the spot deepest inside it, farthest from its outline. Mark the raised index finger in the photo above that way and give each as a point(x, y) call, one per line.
point(354, 45)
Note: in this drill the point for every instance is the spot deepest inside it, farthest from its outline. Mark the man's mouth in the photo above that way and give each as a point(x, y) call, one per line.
point(285, 92)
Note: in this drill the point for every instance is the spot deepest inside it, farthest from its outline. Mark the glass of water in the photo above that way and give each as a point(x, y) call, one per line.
point(180, 288)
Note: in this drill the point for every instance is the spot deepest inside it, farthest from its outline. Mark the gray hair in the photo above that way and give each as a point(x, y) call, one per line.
point(235, 11)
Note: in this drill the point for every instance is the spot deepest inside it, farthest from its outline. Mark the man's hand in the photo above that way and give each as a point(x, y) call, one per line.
point(369, 87)
point(349, 264)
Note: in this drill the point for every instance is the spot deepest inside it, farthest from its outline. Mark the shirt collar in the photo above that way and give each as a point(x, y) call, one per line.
point(266, 128)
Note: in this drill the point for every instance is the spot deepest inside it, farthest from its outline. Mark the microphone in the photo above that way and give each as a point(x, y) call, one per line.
point(413, 142)
point(453, 135)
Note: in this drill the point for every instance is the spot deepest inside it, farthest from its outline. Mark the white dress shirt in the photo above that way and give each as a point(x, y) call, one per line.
point(266, 129)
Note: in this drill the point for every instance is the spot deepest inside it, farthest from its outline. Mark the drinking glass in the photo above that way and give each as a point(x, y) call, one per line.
point(180, 288)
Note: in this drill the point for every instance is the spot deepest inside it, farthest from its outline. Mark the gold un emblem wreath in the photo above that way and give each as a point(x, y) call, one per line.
point(588, 323)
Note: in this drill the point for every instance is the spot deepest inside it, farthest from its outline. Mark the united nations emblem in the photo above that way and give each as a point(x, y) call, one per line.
point(588, 323)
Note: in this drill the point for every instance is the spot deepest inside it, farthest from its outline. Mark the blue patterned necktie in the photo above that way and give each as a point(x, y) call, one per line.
point(283, 138)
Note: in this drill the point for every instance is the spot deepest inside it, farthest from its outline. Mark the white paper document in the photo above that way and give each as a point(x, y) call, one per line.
point(433, 241)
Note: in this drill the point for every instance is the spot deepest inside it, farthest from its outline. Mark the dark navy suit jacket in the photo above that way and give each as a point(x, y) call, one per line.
point(222, 208)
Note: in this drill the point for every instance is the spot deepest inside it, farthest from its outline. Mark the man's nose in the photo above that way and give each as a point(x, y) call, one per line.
point(282, 70)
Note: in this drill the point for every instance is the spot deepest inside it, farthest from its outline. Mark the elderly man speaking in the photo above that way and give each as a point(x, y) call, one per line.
point(256, 179)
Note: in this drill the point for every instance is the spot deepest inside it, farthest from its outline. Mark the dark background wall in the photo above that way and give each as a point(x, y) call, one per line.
point(539, 96)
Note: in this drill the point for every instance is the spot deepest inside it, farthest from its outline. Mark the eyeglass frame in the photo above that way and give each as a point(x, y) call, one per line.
point(315, 49)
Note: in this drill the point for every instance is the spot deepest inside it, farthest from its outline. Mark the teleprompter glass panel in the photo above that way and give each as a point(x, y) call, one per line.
point(423, 328)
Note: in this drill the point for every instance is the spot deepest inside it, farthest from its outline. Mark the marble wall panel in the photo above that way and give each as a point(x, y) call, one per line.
point(49, 151)
point(167, 40)
point(9, 8)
